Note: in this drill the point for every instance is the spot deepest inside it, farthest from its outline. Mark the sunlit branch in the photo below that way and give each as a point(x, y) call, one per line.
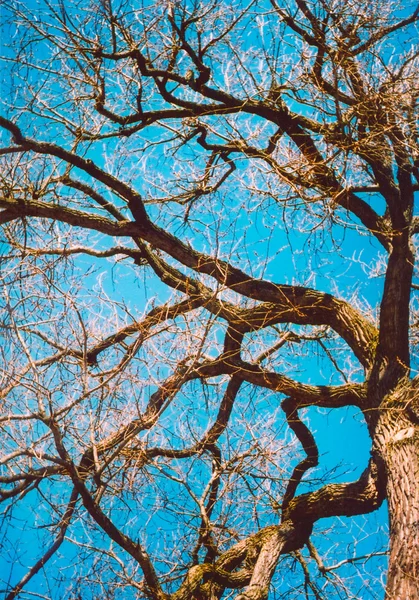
point(304, 395)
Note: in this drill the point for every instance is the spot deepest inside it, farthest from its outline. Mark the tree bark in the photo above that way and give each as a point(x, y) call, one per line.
point(397, 441)
point(258, 588)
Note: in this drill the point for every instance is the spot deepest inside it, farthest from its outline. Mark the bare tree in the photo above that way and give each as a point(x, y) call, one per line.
point(183, 187)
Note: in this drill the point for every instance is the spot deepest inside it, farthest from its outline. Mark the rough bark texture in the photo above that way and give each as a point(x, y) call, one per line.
point(397, 442)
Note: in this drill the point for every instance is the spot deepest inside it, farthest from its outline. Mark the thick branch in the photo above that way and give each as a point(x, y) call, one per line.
point(302, 394)
point(340, 499)
point(295, 304)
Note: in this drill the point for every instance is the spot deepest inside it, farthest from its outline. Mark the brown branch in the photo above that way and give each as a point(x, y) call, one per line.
point(303, 395)
point(154, 317)
point(36, 208)
point(27, 480)
point(87, 165)
point(279, 542)
point(134, 549)
point(63, 526)
point(340, 499)
point(381, 33)
point(264, 548)
point(295, 304)
point(309, 445)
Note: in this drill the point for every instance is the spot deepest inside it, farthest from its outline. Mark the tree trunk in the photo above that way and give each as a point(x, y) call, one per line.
point(397, 441)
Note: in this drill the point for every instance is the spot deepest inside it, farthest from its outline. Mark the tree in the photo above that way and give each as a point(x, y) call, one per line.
point(157, 156)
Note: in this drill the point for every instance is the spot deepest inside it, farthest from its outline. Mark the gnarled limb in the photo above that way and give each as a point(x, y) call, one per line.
point(262, 550)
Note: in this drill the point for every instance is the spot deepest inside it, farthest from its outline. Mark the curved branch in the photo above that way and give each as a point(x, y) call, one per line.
point(352, 394)
point(63, 526)
point(86, 165)
point(36, 208)
point(296, 304)
point(27, 480)
point(154, 317)
point(93, 508)
point(340, 499)
point(281, 541)
point(308, 442)
point(264, 548)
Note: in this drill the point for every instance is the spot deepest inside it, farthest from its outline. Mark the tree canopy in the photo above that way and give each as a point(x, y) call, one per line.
point(208, 232)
